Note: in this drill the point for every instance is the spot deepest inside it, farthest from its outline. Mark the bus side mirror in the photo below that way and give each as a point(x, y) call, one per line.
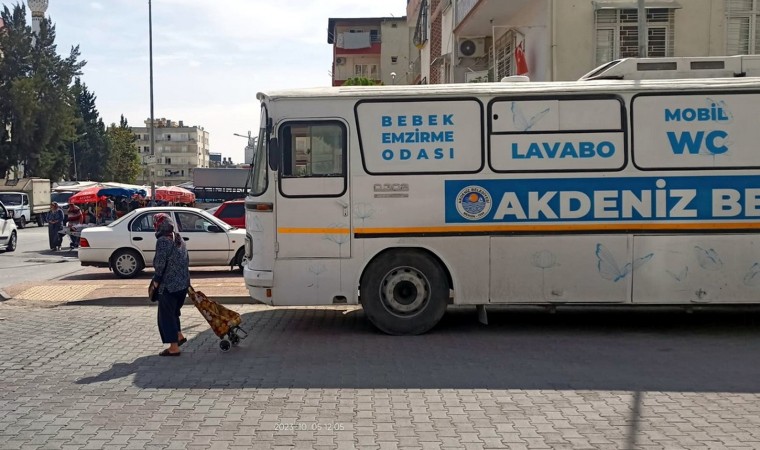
point(274, 154)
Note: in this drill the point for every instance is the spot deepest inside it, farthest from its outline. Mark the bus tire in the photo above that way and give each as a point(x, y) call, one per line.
point(404, 292)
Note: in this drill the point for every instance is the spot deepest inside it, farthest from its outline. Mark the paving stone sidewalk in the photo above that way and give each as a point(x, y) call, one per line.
point(85, 375)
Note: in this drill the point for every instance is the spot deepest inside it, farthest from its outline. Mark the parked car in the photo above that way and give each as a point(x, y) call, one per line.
point(8, 233)
point(232, 212)
point(127, 245)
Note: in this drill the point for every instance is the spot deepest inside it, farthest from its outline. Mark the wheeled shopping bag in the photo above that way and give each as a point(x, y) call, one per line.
point(223, 321)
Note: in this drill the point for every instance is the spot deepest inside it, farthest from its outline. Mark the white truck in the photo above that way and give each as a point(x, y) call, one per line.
point(26, 199)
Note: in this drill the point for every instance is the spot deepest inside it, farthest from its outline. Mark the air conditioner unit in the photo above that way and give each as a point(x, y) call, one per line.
point(472, 47)
point(340, 61)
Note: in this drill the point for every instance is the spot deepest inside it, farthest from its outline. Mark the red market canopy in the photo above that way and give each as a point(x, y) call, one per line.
point(100, 191)
point(87, 195)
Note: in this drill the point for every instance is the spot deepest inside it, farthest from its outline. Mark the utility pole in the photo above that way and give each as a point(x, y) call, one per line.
point(74, 152)
point(152, 119)
point(643, 35)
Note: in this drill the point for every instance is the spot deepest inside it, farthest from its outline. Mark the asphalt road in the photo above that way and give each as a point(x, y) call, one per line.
point(34, 261)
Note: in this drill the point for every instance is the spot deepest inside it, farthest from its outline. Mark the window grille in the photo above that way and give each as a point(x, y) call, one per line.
point(504, 48)
point(617, 33)
point(366, 71)
point(742, 36)
point(421, 29)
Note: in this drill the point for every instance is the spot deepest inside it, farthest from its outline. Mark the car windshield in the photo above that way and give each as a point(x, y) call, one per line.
point(222, 224)
point(61, 197)
point(10, 199)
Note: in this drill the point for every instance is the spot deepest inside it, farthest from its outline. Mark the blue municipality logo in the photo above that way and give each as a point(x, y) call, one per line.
point(473, 203)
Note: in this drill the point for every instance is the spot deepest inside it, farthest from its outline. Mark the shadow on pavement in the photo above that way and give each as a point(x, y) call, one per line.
point(574, 350)
point(143, 301)
point(105, 274)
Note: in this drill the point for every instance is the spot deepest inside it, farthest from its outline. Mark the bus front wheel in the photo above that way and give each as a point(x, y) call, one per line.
point(404, 292)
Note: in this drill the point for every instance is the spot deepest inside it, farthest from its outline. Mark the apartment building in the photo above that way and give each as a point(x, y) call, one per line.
point(376, 48)
point(179, 149)
point(482, 40)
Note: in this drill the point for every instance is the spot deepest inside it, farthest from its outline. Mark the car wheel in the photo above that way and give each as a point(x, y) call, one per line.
point(40, 223)
point(22, 222)
point(404, 292)
point(12, 242)
point(126, 263)
point(240, 259)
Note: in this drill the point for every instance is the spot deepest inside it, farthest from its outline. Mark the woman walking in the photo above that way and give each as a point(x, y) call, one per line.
point(55, 225)
point(172, 279)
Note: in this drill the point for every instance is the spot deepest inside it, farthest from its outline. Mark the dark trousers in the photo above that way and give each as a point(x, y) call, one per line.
point(169, 305)
point(54, 237)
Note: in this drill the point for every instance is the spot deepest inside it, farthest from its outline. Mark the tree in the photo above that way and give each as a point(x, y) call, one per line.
point(37, 109)
point(123, 159)
point(90, 145)
point(360, 81)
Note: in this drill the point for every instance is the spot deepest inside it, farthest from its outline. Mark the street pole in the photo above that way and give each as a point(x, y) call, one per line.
point(152, 120)
point(74, 151)
point(643, 36)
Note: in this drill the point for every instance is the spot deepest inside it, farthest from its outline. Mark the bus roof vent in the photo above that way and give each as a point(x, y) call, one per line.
point(676, 68)
point(516, 79)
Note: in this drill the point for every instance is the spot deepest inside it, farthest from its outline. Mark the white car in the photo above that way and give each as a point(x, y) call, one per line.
point(128, 244)
point(8, 233)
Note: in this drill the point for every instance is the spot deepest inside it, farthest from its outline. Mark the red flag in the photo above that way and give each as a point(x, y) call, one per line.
point(520, 62)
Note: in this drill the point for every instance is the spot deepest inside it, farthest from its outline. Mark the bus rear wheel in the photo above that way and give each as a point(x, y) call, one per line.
point(404, 292)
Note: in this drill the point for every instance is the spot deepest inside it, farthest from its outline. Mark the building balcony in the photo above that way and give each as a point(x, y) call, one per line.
point(373, 49)
point(477, 17)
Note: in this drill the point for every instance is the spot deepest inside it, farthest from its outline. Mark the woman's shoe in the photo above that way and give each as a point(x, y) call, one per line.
point(166, 352)
point(181, 341)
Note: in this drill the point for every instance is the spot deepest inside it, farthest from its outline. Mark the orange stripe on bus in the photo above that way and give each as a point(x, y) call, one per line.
point(579, 227)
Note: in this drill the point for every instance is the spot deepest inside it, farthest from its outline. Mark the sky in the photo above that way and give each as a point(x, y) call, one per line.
point(210, 57)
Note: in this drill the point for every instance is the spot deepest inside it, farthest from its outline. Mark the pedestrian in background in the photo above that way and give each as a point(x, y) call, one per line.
point(172, 279)
point(55, 225)
point(74, 217)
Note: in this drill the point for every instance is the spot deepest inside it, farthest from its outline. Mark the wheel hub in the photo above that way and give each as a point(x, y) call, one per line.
point(404, 291)
point(126, 264)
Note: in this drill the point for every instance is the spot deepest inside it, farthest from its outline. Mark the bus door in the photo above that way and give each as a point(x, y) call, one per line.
point(313, 212)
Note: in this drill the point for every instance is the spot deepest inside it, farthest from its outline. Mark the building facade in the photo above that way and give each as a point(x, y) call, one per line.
point(553, 40)
point(179, 150)
point(375, 48)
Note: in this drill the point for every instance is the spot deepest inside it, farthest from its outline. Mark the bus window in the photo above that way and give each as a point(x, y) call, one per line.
point(313, 150)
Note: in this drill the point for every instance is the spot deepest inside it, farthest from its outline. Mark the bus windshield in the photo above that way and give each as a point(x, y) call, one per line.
point(259, 166)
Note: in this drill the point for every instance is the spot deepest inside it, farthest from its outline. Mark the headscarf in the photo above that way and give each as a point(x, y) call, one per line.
point(164, 226)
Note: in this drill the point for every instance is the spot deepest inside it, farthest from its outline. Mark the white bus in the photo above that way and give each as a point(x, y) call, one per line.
point(406, 199)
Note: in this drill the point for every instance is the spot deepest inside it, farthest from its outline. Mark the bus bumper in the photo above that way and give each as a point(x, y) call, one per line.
point(259, 284)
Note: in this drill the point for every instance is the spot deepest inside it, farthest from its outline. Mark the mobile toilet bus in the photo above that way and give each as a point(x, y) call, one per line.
point(621, 188)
